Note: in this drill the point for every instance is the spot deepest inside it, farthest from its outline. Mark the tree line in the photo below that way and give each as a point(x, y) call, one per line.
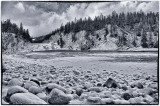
point(122, 20)
point(138, 22)
point(8, 27)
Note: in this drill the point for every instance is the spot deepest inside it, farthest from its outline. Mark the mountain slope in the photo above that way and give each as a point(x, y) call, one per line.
point(116, 39)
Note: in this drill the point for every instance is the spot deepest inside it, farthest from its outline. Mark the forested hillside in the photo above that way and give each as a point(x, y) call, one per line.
point(133, 29)
point(14, 38)
point(8, 27)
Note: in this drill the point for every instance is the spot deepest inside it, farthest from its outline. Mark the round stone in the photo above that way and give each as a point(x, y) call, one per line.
point(14, 89)
point(35, 90)
point(29, 84)
point(26, 98)
point(58, 97)
point(79, 91)
point(15, 82)
point(126, 96)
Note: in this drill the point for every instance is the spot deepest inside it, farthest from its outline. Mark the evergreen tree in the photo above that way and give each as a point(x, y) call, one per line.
point(144, 41)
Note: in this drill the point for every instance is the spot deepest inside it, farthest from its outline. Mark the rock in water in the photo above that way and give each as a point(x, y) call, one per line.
point(58, 97)
point(29, 84)
point(14, 89)
point(79, 91)
point(52, 86)
point(15, 82)
point(111, 83)
point(26, 98)
point(126, 96)
point(35, 90)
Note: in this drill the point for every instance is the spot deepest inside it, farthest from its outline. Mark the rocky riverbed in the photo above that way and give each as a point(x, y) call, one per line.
point(80, 78)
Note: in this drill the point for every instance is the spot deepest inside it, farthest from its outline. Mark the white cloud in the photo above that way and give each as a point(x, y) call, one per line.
point(147, 7)
point(40, 21)
point(20, 7)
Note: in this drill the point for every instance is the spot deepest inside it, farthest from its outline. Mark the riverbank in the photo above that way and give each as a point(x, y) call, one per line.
point(87, 72)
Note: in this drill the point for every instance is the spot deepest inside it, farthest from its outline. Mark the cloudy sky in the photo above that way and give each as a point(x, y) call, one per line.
point(43, 17)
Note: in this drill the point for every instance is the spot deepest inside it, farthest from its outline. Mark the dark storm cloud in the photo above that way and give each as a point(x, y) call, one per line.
point(43, 17)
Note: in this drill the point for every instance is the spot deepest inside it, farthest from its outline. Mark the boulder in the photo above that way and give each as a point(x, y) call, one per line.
point(76, 102)
point(135, 94)
point(99, 84)
point(76, 72)
point(138, 100)
point(84, 96)
point(148, 99)
point(58, 97)
point(94, 100)
point(4, 102)
point(51, 86)
point(8, 78)
point(25, 77)
point(107, 101)
point(132, 101)
point(35, 90)
point(14, 89)
point(96, 89)
point(26, 98)
point(35, 80)
point(105, 94)
point(87, 85)
point(44, 82)
point(124, 102)
point(153, 85)
point(79, 91)
point(156, 97)
point(116, 96)
point(15, 82)
point(139, 85)
point(73, 96)
point(147, 91)
point(126, 96)
point(43, 96)
point(111, 83)
point(29, 84)
point(132, 85)
point(124, 87)
point(148, 78)
point(4, 82)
